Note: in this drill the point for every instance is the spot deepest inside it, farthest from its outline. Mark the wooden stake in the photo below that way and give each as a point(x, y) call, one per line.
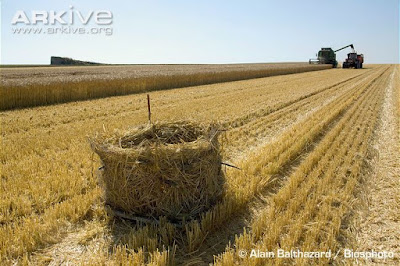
point(148, 107)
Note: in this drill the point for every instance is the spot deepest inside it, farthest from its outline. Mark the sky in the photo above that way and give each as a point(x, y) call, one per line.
point(188, 31)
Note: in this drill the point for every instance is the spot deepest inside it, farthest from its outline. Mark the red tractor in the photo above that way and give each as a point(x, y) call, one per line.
point(353, 60)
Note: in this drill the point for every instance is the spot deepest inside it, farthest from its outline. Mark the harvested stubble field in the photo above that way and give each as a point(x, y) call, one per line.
point(319, 153)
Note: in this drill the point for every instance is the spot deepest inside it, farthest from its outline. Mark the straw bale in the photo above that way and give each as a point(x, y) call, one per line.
point(162, 169)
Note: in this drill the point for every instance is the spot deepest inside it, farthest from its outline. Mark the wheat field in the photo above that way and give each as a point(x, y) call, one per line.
point(36, 86)
point(319, 154)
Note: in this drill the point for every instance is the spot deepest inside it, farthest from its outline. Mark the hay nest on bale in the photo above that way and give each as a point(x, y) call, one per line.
point(163, 169)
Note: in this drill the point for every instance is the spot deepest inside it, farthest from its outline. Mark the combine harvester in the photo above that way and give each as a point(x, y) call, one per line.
point(328, 56)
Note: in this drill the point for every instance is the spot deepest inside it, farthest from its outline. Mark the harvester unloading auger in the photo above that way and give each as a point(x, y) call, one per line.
point(328, 56)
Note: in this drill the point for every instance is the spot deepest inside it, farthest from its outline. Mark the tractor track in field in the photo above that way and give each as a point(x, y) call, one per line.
point(377, 221)
point(216, 242)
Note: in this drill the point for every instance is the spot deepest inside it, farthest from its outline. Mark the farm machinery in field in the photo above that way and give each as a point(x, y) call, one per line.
point(353, 60)
point(328, 56)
